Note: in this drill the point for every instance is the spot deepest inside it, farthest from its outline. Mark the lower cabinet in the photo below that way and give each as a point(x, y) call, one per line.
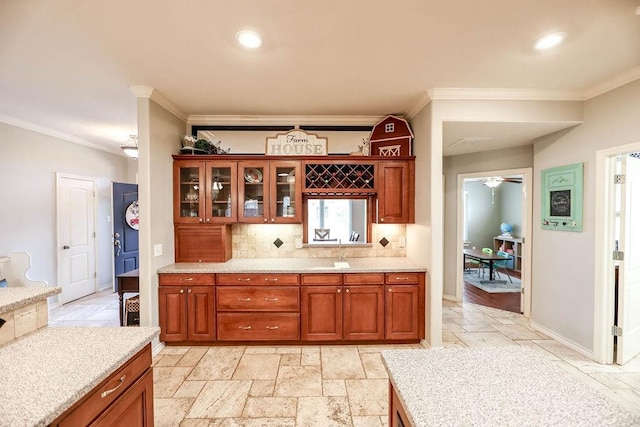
point(321, 313)
point(125, 398)
point(401, 312)
point(187, 312)
point(363, 312)
point(397, 415)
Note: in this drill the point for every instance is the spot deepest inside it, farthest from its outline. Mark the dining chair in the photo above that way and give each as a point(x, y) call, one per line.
point(485, 264)
point(502, 264)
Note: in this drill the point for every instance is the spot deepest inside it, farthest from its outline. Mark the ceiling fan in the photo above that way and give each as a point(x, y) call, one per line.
point(493, 181)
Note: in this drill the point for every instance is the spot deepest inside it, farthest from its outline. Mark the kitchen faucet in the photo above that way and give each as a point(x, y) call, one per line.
point(341, 256)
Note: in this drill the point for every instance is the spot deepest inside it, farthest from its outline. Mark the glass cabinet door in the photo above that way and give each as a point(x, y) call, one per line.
point(189, 192)
point(285, 194)
point(221, 192)
point(252, 192)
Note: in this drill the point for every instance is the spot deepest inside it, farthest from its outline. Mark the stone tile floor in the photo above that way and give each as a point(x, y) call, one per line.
point(324, 385)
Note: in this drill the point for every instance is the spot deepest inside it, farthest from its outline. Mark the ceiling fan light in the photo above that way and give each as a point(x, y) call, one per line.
point(549, 41)
point(493, 182)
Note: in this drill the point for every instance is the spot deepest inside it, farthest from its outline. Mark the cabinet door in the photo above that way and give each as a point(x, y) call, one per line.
point(201, 313)
point(173, 313)
point(221, 201)
point(134, 408)
point(188, 191)
point(401, 312)
point(285, 192)
point(253, 187)
point(395, 192)
point(364, 312)
point(202, 243)
point(321, 313)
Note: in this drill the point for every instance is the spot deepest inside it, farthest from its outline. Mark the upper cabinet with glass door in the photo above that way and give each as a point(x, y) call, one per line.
point(189, 192)
point(285, 201)
point(222, 179)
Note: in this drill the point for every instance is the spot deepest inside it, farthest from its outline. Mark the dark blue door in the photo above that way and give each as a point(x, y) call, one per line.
point(125, 227)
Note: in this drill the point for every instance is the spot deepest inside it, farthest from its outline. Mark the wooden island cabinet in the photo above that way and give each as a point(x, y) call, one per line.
point(306, 307)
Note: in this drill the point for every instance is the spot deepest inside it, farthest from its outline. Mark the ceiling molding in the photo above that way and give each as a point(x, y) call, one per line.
point(160, 99)
point(283, 120)
point(612, 83)
point(505, 94)
point(56, 134)
point(422, 102)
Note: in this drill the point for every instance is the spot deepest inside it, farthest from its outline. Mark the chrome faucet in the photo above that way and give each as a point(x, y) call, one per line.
point(341, 256)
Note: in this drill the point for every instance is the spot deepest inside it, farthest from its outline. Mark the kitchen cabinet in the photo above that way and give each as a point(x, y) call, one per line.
point(404, 306)
point(396, 192)
point(199, 243)
point(269, 192)
point(124, 398)
point(321, 312)
point(187, 309)
point(397, 415)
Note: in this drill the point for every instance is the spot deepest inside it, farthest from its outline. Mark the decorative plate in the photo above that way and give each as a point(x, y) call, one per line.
point(253, 176)
point(292, 177)
point(131, 216)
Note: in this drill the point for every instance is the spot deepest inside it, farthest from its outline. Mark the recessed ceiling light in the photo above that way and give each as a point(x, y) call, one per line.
point(249, 39)
point(549, 41)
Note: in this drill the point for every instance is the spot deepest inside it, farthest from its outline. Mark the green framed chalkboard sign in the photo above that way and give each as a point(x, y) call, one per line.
point(562, 192)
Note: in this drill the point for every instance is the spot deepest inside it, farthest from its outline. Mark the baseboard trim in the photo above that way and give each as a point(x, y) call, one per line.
point(450, 298)
point(156, 346)
point(563, 340)
point(106, 287)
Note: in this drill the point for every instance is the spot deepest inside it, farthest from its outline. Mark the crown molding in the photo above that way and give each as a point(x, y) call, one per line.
point(422, 102)
point(44, 130)
point(612, 83)
point(283, 120)
point(498, 94)
point(160, 99)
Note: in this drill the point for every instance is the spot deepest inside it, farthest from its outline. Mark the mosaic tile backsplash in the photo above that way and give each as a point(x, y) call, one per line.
point(279, 241)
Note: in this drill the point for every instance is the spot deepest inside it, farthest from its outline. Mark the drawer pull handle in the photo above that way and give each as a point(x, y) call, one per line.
point(108, 392)
point(244, 279)
point(274, 279)
point(272, 327)
point(188, 279)
point(402, 278)
point(271, 299)
point(244, 327)
point(244, 299)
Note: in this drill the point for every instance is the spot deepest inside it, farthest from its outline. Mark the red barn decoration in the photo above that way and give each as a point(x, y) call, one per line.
point(391, 137)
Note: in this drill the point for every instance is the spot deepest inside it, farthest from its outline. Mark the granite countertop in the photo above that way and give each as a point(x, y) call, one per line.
point(297, 265)
point(12, 298)
point(495, 386)
point(46, 372)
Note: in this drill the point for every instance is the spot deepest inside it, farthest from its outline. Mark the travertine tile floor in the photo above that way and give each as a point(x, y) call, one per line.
point(324, 385)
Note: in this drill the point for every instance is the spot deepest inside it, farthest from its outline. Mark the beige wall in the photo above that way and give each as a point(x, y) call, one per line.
point(159, 134)
point(28, 165)
point(563, 275)
point(512, 158)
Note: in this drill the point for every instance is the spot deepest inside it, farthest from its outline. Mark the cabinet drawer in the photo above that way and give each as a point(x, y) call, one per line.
point(258, 279)
point(363, 278)
point(322, 279)
point(101, 397)
point(403, 278)
point(267, 298)
point(186, 279)
point(258, 326)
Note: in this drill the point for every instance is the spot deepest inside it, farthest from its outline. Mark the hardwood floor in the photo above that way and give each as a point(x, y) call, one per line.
point(509, 301)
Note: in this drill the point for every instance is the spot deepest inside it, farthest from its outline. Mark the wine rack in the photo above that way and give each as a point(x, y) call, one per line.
point(320, 176)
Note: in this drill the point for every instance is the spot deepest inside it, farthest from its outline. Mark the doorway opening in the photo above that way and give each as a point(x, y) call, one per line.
point(494, 222)
point(617, 270)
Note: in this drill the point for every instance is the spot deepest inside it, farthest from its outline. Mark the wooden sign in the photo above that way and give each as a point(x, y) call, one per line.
point(296, 143)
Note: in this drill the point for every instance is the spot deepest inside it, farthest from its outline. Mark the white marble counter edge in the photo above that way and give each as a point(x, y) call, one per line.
point(46, 293)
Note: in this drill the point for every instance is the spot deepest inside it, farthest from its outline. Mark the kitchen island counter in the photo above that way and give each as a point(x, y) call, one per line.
point(17, 297)
point(494, 386)
point(46, 372)
point(298, 265)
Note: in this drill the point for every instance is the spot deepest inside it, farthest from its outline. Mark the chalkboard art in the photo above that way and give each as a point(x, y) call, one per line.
point(560, 203)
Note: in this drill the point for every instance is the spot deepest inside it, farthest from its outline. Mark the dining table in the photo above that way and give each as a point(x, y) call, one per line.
point(482, 257)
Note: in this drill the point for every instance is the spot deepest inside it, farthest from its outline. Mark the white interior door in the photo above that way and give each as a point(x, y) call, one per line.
point(76, 237)
point(629, 270)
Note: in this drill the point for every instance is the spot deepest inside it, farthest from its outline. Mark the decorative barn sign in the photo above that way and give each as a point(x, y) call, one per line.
point(391, 137)
point(296, 143)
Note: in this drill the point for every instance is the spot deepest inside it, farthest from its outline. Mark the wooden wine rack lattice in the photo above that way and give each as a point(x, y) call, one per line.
point(344, 177)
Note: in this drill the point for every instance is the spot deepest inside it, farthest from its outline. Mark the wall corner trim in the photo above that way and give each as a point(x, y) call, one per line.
point(160, 99)
point(422, 102)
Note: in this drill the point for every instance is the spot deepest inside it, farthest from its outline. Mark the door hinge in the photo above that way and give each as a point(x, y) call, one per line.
point(95, 274)
point(619, 179)
point(94, 234)
point(522, 291)
point(616, 331)
point(523, 240)
point(618, 255)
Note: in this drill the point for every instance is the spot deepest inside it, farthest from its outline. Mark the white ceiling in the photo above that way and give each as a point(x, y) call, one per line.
point(66, 65)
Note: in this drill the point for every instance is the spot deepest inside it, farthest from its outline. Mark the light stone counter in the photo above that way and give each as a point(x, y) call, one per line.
point(495, 386)
point(297, 265)
point(12, 298)
point(45, 373)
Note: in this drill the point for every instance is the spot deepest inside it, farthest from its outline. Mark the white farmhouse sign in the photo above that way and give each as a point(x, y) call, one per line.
point(296, 143)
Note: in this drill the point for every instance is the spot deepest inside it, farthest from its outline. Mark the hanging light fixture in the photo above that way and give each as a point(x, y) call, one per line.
point(492, 183)
point(130, 147)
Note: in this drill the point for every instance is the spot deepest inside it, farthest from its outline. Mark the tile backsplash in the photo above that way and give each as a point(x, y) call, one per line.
point(279, 241)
